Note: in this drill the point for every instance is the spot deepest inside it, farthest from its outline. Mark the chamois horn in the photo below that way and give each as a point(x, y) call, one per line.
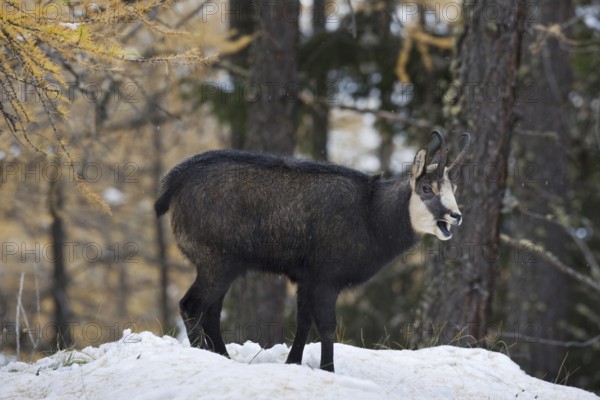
point(460, 158)
point(443, 154)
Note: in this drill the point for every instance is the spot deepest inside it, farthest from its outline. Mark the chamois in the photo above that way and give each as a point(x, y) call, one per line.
point(324, 226)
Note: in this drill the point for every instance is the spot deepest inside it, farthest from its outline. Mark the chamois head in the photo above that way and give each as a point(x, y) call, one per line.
point(432, 207)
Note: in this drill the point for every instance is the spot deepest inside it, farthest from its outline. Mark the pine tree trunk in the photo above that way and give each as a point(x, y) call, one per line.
point(457, 303)
point(320, 111)
point(273, 104)
point(272, 96)
point(542, 186)
point(243, 24)
point(383, 126)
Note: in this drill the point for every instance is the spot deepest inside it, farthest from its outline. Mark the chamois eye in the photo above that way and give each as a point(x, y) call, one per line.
point(427, 189)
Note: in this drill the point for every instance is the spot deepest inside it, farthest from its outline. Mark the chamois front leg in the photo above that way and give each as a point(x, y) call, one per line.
point(323, 311)
point(304, 323)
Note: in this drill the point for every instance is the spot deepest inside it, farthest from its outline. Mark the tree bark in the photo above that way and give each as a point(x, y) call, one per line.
point(543, 186)
point(457, 303)
point(62, 310)
point(242, 24)
point(383, 126)
point(320, 111)
point(161, 243)
point(272, 104)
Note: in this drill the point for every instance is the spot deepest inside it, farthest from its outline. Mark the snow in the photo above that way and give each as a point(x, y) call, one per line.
point(590, 15)
point(70, 25)
point(145, 366)
point(114, 196)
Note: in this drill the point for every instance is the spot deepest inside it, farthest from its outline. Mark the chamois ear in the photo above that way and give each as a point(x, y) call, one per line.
point(418, 166)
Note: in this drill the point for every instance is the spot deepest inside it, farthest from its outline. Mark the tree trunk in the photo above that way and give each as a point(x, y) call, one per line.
point(62, 310)
point(273, 104)
point(542, 185)
point(457, 303)
point(258, 309)
point(161, 246)
point(123, 291)
point(243, 24)
point(383, 126)
point(320, 111)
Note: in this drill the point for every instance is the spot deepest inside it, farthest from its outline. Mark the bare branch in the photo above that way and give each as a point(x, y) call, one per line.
point(391, 116)
point(552, 260)
point(352, 14)
point(540, 134)
point(583, 246)
point(190, 15)
point(17, 316)
point(552, 342)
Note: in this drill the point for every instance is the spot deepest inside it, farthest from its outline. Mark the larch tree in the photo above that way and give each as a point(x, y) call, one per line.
point(51, 53)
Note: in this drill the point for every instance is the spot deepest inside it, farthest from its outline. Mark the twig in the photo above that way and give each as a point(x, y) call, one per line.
point(190, 15)
point(583, 246)
point(353, 25)
point(553, 342)
point(552, 135)
point(597, 127)
point(17, 317)
point(234, 69)
point(556, 31)
point(256, 355)
point(588, 254)
point(419, 123)
point(37, 290)
point(552, 260)
point(28, 328)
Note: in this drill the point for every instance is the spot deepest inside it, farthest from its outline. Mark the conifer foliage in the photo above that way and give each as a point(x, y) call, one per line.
point(41, 40)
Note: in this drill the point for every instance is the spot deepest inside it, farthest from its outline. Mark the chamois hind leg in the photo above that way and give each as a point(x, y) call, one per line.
point(192, 307)
point(304, 323)
point(211, 322)
point(201, 306)
point(323, 301)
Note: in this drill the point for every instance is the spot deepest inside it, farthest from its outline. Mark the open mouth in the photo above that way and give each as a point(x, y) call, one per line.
point(444, 227)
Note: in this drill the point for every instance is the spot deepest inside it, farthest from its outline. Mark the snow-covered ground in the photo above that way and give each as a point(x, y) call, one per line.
point(144, 366)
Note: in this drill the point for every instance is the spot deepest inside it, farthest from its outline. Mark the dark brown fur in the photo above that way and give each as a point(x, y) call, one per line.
point(324, 226)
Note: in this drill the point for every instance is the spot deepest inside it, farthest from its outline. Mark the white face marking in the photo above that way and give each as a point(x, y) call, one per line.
point(447, 197)
point(422, 220)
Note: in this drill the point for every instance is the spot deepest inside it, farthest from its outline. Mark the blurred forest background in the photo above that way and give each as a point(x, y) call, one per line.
point(99, 99)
